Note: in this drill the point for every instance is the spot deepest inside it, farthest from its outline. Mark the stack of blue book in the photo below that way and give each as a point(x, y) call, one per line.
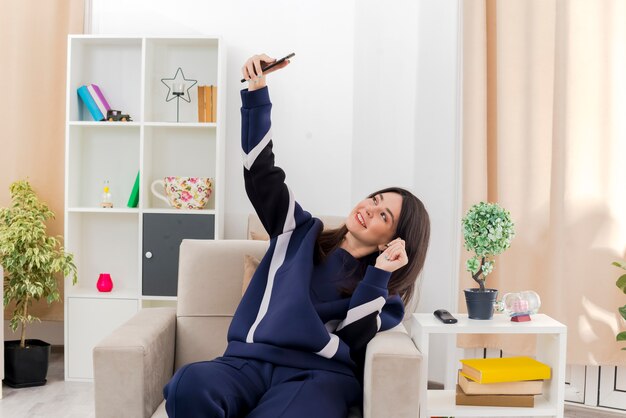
point(94, 100)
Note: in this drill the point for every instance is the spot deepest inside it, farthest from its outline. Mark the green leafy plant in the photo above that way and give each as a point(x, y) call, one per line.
point(621, 283)
point(29, 256)
point(488, 231)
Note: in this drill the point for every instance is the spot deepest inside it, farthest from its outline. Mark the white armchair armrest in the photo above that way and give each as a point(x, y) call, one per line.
point(391, 376)
point(132, 365)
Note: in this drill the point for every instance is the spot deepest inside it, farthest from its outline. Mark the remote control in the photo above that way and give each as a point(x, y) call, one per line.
point(444, 316)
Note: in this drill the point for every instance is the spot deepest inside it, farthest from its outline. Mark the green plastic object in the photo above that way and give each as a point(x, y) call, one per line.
point(133, 200)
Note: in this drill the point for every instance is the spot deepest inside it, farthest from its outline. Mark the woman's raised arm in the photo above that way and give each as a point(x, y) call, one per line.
point(265, 182)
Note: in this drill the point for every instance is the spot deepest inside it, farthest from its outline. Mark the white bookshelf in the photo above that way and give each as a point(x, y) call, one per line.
point(551, 350)
point(129, 70)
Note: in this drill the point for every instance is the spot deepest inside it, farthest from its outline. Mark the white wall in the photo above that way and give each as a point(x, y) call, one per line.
point(371, 100)
point(312, 98)
point(406, 118)
point(438, 163)
point(48, 331)
point(406, 128)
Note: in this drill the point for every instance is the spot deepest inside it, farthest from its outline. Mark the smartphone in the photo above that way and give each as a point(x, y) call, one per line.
point(275, 63)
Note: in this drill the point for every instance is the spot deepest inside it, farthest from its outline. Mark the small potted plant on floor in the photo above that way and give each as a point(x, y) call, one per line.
point(30, 259)
point(621, 283)
point(488, 231)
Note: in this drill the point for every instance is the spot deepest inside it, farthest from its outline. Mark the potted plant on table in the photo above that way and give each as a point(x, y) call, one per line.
point(30, 259)
point(487, 231)
point(621, 283)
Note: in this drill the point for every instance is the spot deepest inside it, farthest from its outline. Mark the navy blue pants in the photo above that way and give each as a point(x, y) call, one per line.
point(230, 387)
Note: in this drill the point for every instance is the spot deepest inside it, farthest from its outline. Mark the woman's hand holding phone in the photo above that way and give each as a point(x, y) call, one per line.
point(252, 70)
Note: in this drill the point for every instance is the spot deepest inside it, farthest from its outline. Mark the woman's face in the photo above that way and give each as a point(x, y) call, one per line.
point(374, 220)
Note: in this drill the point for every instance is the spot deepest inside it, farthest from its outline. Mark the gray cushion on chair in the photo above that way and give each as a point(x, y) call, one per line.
point(160, 412)
point(208, 294)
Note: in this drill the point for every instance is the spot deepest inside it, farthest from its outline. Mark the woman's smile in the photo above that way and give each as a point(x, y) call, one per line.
point(360, 219)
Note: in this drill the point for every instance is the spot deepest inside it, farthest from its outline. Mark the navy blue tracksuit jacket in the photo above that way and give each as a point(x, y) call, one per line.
point(281, 318)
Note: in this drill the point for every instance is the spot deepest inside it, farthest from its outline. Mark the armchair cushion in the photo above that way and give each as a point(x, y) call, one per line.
point(160, 412)
point(250, 264)
point(210, 278)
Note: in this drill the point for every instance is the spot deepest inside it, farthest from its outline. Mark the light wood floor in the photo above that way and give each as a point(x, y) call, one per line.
point(61, 399)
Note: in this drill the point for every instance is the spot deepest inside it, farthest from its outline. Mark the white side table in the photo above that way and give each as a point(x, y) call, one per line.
point(551, 350)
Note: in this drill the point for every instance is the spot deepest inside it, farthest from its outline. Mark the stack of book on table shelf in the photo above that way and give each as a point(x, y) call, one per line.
point(207, 104)
point(94, 100)
point(509, 381)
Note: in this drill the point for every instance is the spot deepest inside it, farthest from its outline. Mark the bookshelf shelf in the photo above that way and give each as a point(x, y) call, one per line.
point(175, 125)
point(182, 211)
point(441, 403)
point(137, 246)
point(159, 298)
point(113, 294)
point(551, 344)
point(101, 210)
point(107, 125)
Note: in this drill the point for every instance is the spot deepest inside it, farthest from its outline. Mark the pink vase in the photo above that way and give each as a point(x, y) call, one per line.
point(105, 284)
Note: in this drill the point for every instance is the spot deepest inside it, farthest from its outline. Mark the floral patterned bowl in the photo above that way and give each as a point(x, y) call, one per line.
point(184, 192)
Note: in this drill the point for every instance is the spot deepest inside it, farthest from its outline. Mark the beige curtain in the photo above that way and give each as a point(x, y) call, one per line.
point(545, 136)
point(33, 41)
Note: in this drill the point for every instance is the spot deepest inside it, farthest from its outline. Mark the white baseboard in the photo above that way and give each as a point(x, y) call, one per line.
point(573, 410)
point(48, 331)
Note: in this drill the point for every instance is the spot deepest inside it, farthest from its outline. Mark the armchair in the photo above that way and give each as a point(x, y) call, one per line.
point(132, 364)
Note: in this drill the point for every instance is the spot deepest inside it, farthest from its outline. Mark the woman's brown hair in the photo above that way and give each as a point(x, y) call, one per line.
point(413, 227)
